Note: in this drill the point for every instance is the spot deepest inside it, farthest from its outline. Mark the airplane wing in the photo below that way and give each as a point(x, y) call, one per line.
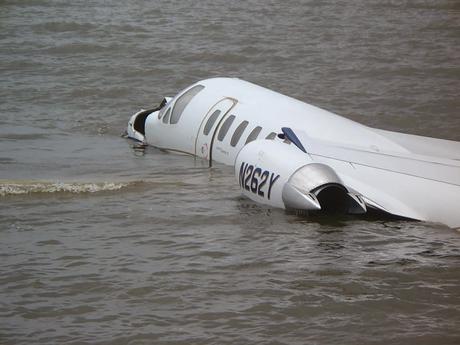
point(412, 185)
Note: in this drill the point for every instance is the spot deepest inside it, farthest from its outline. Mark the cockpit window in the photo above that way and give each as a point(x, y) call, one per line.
point(225, 127)
point(162, 107)
point(162, 111)
point(254, 134)
point(182, 102)
point(210, 122)
point(238, 133)
point(167, 115)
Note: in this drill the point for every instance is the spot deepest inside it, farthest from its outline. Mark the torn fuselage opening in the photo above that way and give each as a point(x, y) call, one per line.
point(139, 122)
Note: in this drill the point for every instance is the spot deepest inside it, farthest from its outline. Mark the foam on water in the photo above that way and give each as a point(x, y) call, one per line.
point(30, 187)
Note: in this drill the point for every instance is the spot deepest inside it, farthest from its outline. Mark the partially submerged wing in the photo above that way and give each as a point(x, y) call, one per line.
point(413, 185)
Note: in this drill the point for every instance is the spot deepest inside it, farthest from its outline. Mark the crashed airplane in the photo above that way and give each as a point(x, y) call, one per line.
point(295, 156)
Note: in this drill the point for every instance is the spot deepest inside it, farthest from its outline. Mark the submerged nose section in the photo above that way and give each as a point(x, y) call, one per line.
point(315, 187)
point(136, 124)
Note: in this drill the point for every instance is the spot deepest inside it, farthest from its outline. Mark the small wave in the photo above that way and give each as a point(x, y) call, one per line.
point(63, 26)
point(26, 187)
point(78, 48)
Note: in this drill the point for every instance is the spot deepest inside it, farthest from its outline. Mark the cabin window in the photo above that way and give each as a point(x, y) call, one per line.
point(182, 102)
point(212, 119)
point(271, 136)
point(254, 134)
point(287, 141)
point(167, 116)
point(225, 127)
point(238, 133)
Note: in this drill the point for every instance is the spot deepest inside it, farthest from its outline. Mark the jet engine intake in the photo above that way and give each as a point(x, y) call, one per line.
point(316, 186)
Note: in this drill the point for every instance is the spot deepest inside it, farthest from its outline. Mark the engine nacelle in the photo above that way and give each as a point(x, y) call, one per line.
point(279, 174)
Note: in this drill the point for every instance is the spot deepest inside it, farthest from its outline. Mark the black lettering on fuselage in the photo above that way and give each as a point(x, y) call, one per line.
point(272, 182)
point(263, 181)
point(249, 171)
point(254, 179)
point(242, 173)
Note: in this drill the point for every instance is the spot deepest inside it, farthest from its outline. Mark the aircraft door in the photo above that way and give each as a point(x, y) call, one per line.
point(209, 125)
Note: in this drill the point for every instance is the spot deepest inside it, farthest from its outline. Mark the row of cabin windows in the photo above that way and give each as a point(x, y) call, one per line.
point(173, 116)
point(238, 131)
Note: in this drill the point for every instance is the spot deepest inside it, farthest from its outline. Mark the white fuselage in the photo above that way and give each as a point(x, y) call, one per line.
point(261, 108)
point(236, 122)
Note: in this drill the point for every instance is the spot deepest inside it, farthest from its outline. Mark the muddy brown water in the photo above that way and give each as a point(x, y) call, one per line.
point(103, 243)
